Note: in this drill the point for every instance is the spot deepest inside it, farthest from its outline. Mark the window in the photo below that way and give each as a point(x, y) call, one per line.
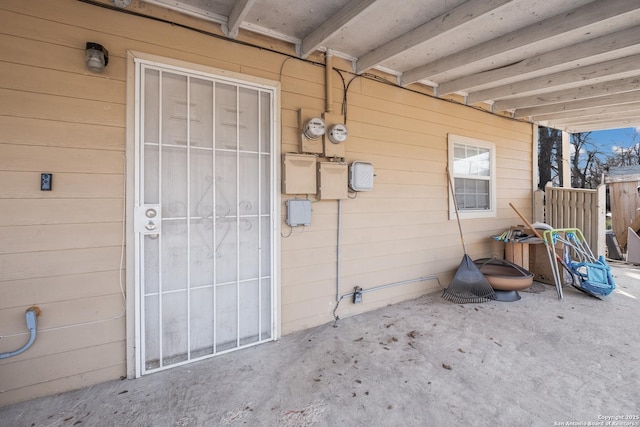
point(472, 166)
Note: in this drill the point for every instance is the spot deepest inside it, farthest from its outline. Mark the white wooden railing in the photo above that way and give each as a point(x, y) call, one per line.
point(576, 208)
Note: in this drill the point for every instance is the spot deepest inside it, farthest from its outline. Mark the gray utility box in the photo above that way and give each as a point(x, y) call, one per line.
point(298, 212)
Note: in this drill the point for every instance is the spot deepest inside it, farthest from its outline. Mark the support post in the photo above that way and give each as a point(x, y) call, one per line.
point(566, 154)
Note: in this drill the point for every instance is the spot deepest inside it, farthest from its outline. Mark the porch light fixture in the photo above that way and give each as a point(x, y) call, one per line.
point(96, 57)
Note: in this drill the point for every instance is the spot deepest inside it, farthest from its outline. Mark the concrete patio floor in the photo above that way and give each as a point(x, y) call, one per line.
point(539, 361)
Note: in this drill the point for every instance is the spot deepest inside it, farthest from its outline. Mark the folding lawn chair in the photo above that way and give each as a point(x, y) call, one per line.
point(591, 274)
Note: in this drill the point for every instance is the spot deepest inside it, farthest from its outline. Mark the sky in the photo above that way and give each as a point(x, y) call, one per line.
point(610, 140)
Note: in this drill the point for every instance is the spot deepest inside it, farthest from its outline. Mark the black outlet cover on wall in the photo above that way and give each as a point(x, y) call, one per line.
point(46, 181)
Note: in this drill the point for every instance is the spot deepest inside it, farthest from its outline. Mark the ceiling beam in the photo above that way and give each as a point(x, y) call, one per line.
point(564, 56)
point(630, 115)
point(572, 20)
point(574, 94)
point(187, 9)
point(332, 25)
point(629, 65)
point(449, 20)
point(237, 15)
point(588, 112)
point(600, 126)
point(597, 125)
point(601, 101)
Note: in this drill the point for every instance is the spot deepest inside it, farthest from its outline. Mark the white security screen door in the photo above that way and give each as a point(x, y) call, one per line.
point(204, 215)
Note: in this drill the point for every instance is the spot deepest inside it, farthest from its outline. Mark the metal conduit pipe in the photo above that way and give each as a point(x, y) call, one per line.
point(377, 288)
point(32, 313)
point(328, 84)
point(338, 251)
point(390, 285)
point(339, 297)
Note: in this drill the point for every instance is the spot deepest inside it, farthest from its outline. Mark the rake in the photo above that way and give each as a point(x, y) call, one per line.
point(468, 284)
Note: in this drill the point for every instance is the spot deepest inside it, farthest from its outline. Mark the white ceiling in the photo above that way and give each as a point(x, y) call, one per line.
point(569, 64)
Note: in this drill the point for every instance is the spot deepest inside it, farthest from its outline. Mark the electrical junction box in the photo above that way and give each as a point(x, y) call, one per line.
point(357, 295)
point(361, 176)
point(332, 181)
point(298, 212)
point(299, 173)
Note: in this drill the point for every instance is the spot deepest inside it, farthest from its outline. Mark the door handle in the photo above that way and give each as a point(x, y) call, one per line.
point(148, 219)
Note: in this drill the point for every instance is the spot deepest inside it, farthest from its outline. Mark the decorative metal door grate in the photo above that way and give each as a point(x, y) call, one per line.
point(204, 215)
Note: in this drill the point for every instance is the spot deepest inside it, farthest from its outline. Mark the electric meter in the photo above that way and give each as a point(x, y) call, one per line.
point(314, 128)
point(338, 133)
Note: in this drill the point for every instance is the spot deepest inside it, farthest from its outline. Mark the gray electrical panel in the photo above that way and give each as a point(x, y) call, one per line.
point(298, 212)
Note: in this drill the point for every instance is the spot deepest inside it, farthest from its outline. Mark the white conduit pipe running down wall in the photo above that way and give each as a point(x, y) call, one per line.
point(339, 297)
point(328, 69)
point(338, 252)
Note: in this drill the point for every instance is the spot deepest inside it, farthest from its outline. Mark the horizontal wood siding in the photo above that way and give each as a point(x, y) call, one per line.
point(401, 230)
point(61, 250)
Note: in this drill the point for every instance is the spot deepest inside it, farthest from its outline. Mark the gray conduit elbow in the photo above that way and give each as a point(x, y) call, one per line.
point(31, 315)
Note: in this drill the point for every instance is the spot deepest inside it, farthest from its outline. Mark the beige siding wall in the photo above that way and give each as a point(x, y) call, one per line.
point(61, 250)
point(401, 230)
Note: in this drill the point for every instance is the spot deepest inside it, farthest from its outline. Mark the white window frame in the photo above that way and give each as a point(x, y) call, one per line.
point(472, 213)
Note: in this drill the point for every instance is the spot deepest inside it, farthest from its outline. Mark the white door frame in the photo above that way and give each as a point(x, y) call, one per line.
point(132, 288)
